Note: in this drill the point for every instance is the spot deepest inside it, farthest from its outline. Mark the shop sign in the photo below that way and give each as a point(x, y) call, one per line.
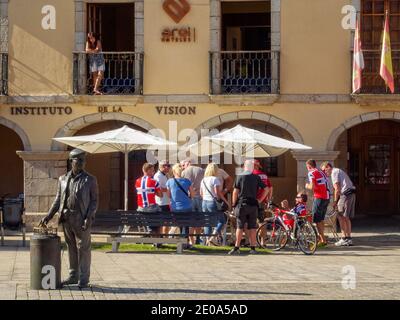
point(104, 109)
point(176, 110)
point(40, 111)
point(177, 10)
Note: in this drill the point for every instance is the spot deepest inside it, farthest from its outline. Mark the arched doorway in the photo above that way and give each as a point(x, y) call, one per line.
point(370, 152)
point(282, 170)
point(11, 165)
point(109, 168)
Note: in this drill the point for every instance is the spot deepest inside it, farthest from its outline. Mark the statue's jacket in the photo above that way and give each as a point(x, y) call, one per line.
point(86, 196)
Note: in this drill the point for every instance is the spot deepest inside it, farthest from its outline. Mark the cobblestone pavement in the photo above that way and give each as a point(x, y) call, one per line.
point(283, 275)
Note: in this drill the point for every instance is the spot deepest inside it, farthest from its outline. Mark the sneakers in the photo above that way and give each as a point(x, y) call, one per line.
point(253, 251)
point(234, 252)
point(70, 281)
point(344, 242)
point(83, 285)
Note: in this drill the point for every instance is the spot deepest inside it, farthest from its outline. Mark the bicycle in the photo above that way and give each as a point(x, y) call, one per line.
point(274, 233)
point(330, 222)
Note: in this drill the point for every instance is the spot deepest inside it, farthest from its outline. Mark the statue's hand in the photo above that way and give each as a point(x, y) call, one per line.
point(86, 224)
point(44, 221)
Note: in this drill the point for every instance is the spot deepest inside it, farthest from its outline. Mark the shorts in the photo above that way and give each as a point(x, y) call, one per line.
point(246, 214)
point(319, 209)
point(96, 67)
point(151, 208)
point(165, 208)
point(347, 205)
point(197, 204)
point(96, 63)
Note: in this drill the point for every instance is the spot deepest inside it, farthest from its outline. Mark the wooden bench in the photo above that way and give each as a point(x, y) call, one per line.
point(112, 223)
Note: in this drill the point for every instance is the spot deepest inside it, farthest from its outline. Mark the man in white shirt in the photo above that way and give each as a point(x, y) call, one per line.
point(344, 200)
point(162, 177)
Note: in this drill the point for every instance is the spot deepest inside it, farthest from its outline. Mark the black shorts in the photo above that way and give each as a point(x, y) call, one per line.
point(319, 209)
point(246, 214)
point(165, 208)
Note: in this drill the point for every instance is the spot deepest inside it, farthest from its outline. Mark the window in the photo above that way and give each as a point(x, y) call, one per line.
point(378, 170)
point(372, 21)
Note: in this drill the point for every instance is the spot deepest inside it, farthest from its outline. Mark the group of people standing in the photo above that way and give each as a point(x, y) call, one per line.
point(189, 188)
point(186, 187)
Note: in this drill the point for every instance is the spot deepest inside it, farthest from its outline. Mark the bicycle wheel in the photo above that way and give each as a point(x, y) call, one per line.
point(272, 235)
point(306, 237)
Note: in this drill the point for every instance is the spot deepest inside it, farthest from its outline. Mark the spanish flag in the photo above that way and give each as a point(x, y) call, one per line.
point(386, 71)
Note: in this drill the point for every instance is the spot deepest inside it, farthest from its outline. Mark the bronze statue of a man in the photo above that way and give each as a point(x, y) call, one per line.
point(76, 202)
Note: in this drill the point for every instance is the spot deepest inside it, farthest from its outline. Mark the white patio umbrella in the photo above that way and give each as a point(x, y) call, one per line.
point(124, 140)
point(244, 142)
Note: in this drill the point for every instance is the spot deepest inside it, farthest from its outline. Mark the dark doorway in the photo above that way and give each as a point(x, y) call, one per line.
point(114, 23)
point(374, 164)
point(246, 25)
point(12, 167)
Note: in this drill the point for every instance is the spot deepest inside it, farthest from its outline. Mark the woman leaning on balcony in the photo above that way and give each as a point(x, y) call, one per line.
point(96, 60)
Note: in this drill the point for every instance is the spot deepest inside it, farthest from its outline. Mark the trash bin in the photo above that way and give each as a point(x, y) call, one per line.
point(45, 259)
point(12, 210)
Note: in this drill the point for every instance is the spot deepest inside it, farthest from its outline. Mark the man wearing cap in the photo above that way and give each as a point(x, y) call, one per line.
point(264, 178)
point(76, 202)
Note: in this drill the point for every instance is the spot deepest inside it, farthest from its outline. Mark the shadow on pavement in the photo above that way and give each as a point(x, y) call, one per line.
point(104, 289)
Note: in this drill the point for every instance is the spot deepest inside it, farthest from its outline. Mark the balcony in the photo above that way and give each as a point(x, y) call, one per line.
point(3, 74)
point(123, 74)
point(244, 72)
point(372, 83)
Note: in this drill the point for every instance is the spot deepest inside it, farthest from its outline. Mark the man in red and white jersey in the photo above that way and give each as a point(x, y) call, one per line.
point(147, 189)
point(318, 183)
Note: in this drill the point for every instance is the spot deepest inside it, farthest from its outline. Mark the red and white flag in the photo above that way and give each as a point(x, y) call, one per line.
point(358, 59)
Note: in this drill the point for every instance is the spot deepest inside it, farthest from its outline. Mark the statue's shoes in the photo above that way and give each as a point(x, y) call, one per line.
point(69, 281)
point(83, 285)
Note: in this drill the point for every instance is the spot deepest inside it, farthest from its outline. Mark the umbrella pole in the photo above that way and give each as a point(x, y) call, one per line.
point(126, 153)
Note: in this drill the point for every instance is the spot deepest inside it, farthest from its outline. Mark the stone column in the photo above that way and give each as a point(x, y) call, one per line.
point(215, 46)
point(303, 156)
point(80, 42)
point(3, 26)
point(41, 172)
point(275, 44)
point(139, 45)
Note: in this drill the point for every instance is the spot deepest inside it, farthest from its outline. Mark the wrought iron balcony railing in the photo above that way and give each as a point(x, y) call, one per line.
point(244, 72)
point(123, 73)
point(372, 83)
point(3, 73)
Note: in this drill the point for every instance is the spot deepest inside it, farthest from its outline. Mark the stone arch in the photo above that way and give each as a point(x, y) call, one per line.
point(70, 128)
point(251, 115)
point(365, 117)
point(19, 131)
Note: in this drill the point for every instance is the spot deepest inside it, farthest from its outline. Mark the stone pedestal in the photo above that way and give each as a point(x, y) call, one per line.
point(41, 172)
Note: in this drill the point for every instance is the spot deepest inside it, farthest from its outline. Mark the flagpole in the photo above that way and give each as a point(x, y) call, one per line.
point(126, 153)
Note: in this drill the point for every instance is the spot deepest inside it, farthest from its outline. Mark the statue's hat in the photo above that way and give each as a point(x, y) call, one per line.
point(77, 153)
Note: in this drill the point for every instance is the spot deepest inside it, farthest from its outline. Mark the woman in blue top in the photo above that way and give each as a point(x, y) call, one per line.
point(180, 193)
